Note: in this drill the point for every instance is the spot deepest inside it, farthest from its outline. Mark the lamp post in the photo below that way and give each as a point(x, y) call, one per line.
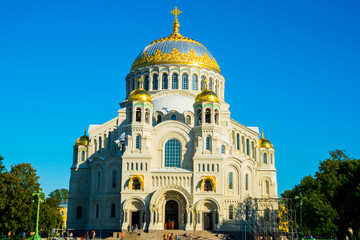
point(40, 197)
point(300, 198)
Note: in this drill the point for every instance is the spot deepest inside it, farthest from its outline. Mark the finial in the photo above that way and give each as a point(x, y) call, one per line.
point(176, 12)
point(206, 83)
point(262, 133)
point(139, 80)
point(85, 131)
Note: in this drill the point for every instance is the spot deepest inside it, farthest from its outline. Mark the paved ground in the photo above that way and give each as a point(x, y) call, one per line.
point(183, 235)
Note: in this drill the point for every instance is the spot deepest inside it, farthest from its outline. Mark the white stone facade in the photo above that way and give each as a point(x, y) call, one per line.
point(121, 177)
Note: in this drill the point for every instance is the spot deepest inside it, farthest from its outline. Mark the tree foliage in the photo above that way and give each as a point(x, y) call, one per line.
point(60, 195)
point(17, 208)
point(331, 198)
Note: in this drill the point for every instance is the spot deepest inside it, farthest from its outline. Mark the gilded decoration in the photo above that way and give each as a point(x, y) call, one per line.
point(140, 178)
point(213, 181)
point(175, 57)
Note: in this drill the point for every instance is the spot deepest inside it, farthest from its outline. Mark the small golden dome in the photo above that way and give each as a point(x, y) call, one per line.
point(265, 143)
point(207, 95)
point(83, 140)
point(140, 95)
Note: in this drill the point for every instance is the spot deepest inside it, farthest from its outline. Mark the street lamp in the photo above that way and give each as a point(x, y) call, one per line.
point(40, 197)
point(300, 198)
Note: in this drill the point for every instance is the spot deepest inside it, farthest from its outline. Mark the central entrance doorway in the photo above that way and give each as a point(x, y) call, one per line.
point(171, 215)
point(208, 221)
point(135, 219)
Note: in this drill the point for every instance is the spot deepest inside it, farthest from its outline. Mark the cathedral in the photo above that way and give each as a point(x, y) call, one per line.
point(172, 158)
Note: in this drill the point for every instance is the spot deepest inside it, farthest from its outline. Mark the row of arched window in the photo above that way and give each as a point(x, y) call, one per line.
point(113, 183)
point(208, 167)
point(176, 83)
point(134, 166)
point(231, 179)
point(208, 116)
point(79, 211)
point(103, 142)
point(244, 145)
point(265, 158)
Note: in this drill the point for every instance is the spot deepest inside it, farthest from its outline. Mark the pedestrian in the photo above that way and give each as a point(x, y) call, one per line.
point(132, 228)
point(165, 236)
point(176, 237)
point(122, 235)
point(169, 236)
point(136, 228)
point(93, 234)
point(129, 228)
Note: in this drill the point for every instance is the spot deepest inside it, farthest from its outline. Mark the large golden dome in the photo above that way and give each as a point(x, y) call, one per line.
point(140, 95)
point(265, 143)
point(83, 140)
point(176, 49)
point(207, 95)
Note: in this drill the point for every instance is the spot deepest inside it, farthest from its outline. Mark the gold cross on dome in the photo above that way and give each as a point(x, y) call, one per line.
point(139, 80)
point(176, 12)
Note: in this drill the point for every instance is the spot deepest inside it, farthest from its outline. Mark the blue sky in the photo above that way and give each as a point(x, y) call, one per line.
point(291, 67)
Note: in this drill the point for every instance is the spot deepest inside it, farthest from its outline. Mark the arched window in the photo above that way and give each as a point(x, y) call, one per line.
point(238, 141)
point(217, 87)
point(79, 212)
point(208, 143)
point(194, 82)
point(210, 83)
point(100, 144)
point(230, 180)
point(158, 120)
point(114, 179)
point(164, 81)
point(216, 116)
point(98, 180)
point(146, 83)
point(112, 214)
point(199, 116)
point(247, 212)
point(246, 181)
point(203, 83)
point(136, 185)
point(247, 147)
point(184, 81)
point(188, 119)
point(133, 84)
point(109, 142)
point(173, 117)
point(208, 185)
point(147, 116)
point(137, 142)
point(172, 153)
point(267, 215)
point(231, 212)
point(155, 82)
point(207, 116)
point(267, 187)
point(138, 114)
point(265, 158)
point(83, 156)
point(222, 149)
point(175, 81)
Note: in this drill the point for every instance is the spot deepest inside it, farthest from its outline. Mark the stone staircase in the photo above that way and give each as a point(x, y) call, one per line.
point(182, 235)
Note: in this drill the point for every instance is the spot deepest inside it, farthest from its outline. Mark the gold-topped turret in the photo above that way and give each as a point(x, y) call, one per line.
point(83, 140)
point(140, 94)
point(207, 95)
point(176, 12)
point(264, 143)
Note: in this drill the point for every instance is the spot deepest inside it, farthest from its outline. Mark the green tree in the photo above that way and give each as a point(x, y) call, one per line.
point(17, 210)
point(60, 194)
point(331, 198)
